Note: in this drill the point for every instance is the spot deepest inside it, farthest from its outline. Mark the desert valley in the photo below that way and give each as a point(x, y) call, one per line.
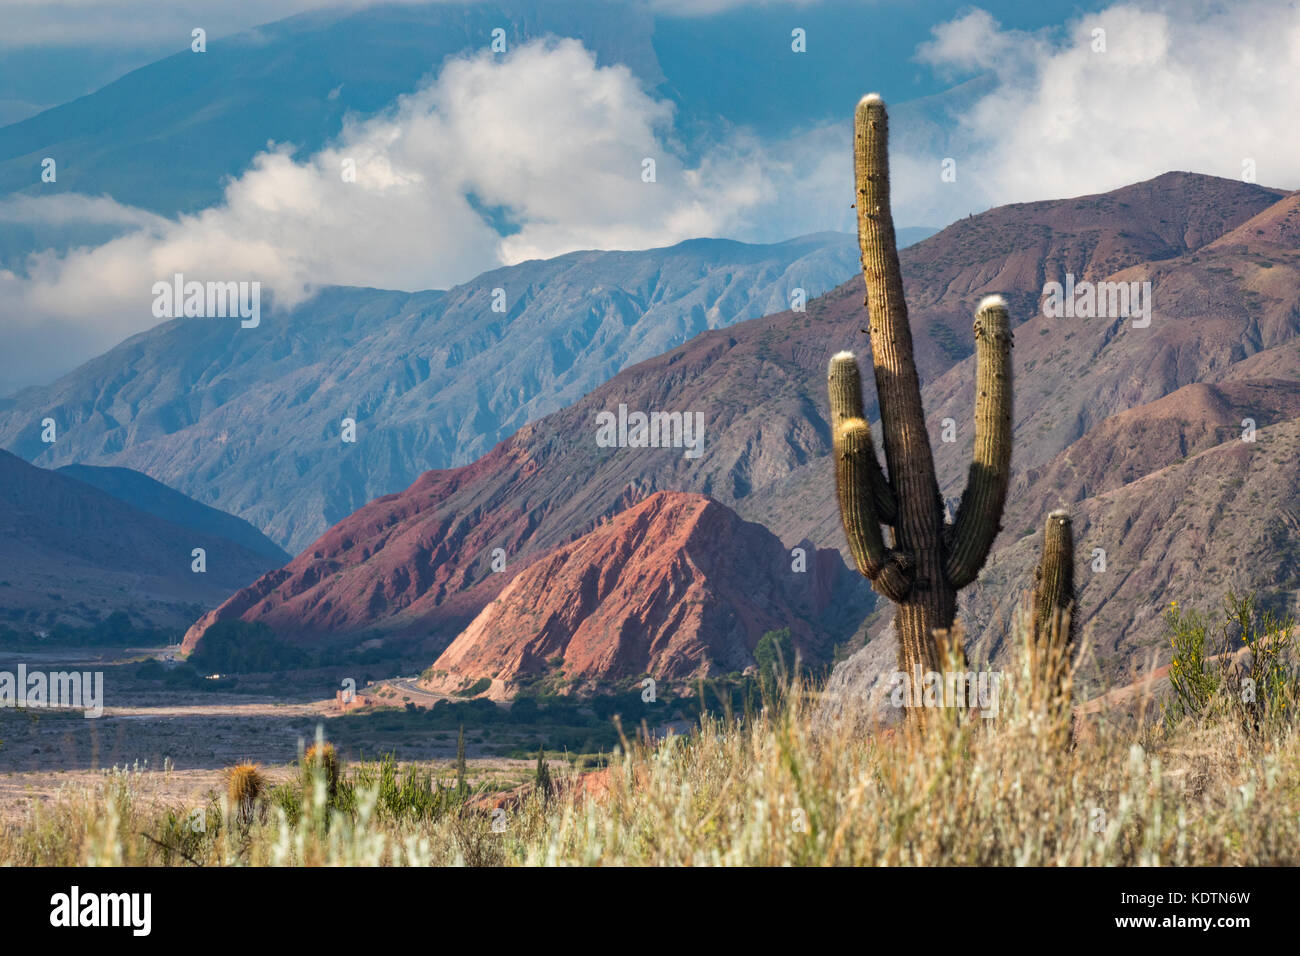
point(558, 538)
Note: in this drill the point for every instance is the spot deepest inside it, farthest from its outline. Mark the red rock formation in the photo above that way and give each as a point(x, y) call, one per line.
point(675, 587)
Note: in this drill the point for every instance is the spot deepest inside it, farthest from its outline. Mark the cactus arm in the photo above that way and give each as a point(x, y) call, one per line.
point(844, 383)
point(979, 517)
point(854, 456)
point(898, 388)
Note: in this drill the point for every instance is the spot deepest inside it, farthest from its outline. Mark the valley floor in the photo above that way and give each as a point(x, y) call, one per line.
point(176, 743)
point(1178, 769)
point(784, 788)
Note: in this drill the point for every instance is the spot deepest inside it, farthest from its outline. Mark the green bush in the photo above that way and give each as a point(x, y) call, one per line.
point(776, 659)
point(243, 647)
point(151, 669)
point(404, 795)
point(1242, 663)
point(1195, 684)
point(478, 687)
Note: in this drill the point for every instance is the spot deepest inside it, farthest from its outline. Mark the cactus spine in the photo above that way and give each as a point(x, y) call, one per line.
point(928, 560)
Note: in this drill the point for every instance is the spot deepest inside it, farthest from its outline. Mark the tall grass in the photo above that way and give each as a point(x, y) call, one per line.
point(782, 785)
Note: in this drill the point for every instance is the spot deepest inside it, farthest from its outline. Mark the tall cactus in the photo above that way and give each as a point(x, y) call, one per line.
point(927, 560)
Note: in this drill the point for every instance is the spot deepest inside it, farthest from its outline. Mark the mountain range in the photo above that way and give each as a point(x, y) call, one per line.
point(155, 498)
point(1221, 257)
point(250, 421)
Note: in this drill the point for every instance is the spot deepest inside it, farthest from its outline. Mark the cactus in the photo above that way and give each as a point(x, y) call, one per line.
point(928, 560)
point(1054, 576)
point(244, 785)
point(321, 759)
point(542, 782)
point(1050, 637)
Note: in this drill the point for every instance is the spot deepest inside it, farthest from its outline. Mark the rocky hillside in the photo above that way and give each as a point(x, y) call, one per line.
point(677, 586)
point(1225, 280)
point(249, 420)
point(71, 554)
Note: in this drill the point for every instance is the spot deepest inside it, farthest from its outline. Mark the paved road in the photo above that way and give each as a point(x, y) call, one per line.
point(410, 687)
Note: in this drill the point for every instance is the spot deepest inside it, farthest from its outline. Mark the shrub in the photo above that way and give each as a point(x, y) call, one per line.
point(1193, 682)
point(288, 798)
point(403, 796)
point(476, 688)
point(244, 785)
point(525, 710)
point(1242, 662)
point(151, 669)
point(776, 660)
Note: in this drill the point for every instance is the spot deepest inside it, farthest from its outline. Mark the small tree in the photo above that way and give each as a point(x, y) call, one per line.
point(1242, 662)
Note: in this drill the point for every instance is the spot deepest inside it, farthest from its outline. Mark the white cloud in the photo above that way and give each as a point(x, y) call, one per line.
point(558, 144)
point(975, 41)
point(542, 133)
point(73, 209)
point(1198, 86)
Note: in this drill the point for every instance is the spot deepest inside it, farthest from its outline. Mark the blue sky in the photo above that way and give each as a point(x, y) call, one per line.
point(55, 50)
point(488, 158)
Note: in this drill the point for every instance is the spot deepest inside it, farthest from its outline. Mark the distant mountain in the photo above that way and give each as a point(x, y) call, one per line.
point(250, 420)
point(1225, 274)
point(141, 491)
point(676, 586)
point(71, 554)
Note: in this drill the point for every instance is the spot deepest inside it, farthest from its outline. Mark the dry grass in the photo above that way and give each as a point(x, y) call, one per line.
point(788, 786)
point(781, 789)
